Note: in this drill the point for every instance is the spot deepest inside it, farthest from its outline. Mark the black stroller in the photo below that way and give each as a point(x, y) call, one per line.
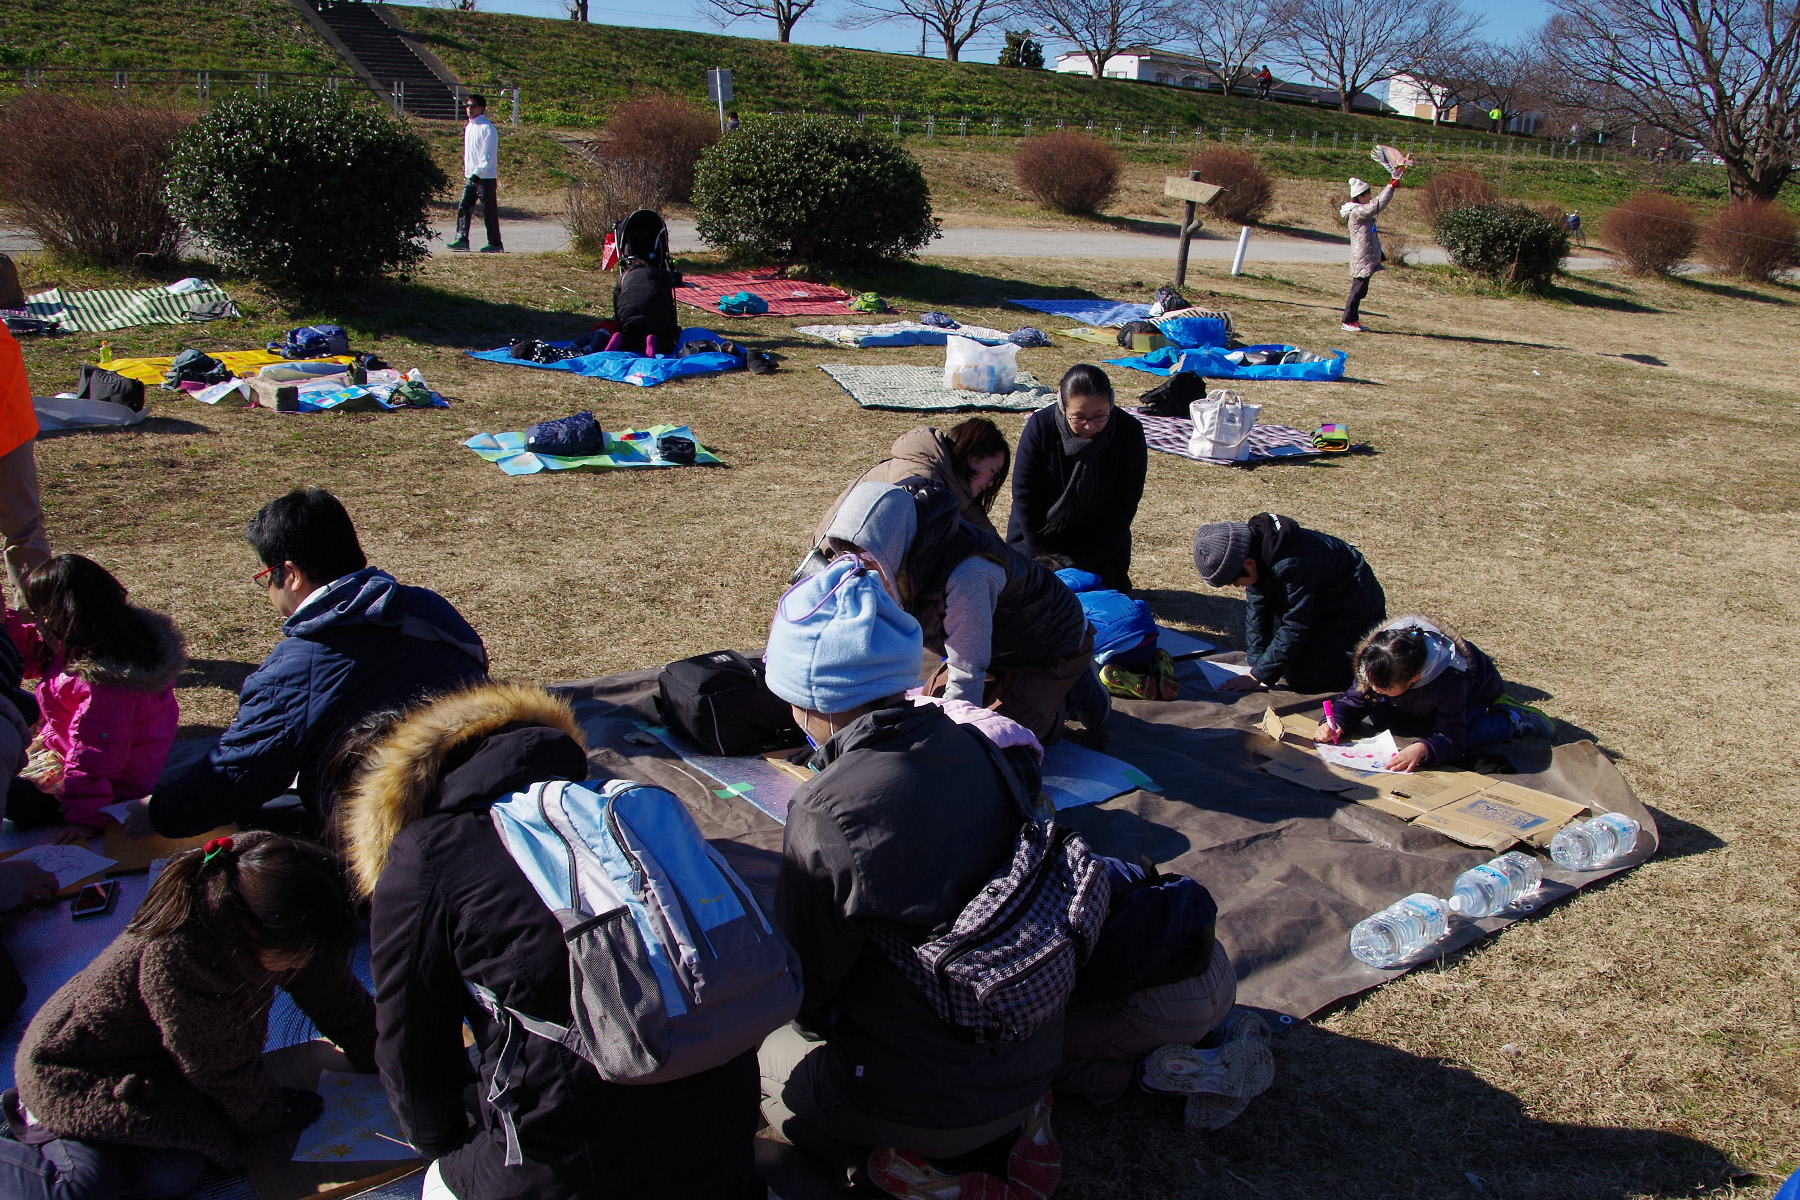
point(644, 298)
point(643, 235)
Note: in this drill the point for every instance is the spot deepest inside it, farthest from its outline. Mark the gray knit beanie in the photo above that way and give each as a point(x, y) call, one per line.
point(1220, 550)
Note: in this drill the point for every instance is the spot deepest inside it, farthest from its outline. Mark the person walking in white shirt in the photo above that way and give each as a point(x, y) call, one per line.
point(481, 163)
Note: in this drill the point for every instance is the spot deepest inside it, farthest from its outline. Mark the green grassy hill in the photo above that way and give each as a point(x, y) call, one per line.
point(240, 35)
point(570, 74)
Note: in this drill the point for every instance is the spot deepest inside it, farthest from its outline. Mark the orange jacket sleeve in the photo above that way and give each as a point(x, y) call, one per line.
point(18, 419)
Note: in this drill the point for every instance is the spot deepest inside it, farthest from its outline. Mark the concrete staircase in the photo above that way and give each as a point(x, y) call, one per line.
point(384, 56)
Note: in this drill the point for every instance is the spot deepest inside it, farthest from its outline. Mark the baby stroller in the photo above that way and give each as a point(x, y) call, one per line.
point(644, 298)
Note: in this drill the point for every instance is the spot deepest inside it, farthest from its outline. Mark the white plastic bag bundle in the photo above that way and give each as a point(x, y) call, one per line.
point(973, 367)
point(1222, 425)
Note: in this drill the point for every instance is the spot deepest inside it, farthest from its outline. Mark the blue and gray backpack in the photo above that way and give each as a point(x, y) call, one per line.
point(312, 341)
point(673, 967)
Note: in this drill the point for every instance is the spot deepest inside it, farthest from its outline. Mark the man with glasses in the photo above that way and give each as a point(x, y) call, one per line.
point(481, 169)
point(356, 642)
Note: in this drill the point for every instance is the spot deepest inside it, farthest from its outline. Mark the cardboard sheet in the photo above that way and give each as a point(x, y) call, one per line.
point(1292, 868)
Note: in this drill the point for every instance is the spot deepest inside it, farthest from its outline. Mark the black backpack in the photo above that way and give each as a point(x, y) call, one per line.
point(98, 383)
point(1160, 929)
point(721, 702)
point(1173, 396)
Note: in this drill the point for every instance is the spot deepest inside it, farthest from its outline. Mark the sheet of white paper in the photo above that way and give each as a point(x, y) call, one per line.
point(1181, 645)
point(67, 863)
point(1369, 754)
point(1218, 672)
point(356, 1126)
point(119, 811)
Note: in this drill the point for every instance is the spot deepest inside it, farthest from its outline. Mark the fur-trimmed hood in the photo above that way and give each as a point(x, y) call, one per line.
point(403, 773)
point(171, 660)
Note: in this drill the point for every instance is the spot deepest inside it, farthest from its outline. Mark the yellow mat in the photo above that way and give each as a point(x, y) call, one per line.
point(241, 362)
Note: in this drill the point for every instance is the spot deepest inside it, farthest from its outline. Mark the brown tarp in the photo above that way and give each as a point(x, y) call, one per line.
point(1292, 869)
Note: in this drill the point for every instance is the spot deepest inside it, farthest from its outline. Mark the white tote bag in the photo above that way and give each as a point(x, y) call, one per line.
point(1222, 425)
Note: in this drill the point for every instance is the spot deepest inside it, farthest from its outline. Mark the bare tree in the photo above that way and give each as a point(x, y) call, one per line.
point(955, 21)
point(1098, 28)
point(1512, 79)
point(785, 13)
point(1353, 44)
point(1230, 35)
point(1723, 74)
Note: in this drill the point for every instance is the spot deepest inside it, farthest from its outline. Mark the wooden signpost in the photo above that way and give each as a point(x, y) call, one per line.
point(1195, 193)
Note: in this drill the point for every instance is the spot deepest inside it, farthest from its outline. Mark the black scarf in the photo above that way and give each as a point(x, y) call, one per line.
point(1083, 493)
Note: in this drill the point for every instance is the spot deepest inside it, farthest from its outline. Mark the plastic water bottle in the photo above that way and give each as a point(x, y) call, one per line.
point(1596, 844)
point(1400, 930)
point(1485, 890)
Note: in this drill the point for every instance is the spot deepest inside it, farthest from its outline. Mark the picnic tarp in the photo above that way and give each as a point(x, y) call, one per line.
point(785, 297)
point(125, 308)
point(622, 367)
point(626, 450)
point(242, 363)
point(57, 413)
point(1213, 364)
point(921, 389)
point(899, 333)
point(1292, 869)
point(1172, 435)
point(1089, 312)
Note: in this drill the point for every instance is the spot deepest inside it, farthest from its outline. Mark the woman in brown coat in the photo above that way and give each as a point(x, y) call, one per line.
point(969, 460)
point(149, 1062)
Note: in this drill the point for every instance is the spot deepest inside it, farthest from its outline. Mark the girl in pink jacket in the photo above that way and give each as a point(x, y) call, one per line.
point(107, 693)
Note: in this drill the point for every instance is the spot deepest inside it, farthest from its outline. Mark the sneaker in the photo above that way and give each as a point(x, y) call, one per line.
point(1167, 686)
point(1034, 1167)
point(1128, 685)
point(910, 1177)
point(458, 244)
point(1351, 327)
point(1526, 720)
point(491, 248)
point(1239, 1068)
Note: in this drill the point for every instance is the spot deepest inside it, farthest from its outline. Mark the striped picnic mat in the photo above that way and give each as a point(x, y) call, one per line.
point(1171, 434)
point(785, 297)
point(123, 308)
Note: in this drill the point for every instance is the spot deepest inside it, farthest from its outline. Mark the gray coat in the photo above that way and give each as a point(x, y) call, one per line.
point(1365, 244)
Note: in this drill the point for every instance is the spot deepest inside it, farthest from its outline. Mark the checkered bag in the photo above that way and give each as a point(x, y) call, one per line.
point(1007, 963)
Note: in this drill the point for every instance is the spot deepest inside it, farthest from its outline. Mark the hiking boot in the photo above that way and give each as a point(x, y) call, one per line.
point(458, 244)
point(1167, 687)
point(1352, 327)
point(490, 248)
point(1034, 1167)
point(1129, 685)
point(1526, 720)
point(910, 1177)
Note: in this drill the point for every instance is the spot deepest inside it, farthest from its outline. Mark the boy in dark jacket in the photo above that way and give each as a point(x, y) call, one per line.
point(354, 641)
point(1308, 599)
point(1412, 669)
point(908, 817)
point(450, 907)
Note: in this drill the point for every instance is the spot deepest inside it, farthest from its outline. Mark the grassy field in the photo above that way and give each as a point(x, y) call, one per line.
point(236, 35)
point(1598, 487)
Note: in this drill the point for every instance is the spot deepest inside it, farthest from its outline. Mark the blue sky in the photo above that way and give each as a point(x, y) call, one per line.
point(1505, 21)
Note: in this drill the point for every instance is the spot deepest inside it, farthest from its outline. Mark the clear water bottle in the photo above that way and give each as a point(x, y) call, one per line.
point(1485, 890)
point(1400, 930)
point(1596, 844)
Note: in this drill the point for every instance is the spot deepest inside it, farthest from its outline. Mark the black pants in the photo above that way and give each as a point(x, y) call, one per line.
point(1359, 287)
point(484, 190)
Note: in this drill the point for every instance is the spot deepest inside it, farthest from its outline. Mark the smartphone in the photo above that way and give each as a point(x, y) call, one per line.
point(95, 900)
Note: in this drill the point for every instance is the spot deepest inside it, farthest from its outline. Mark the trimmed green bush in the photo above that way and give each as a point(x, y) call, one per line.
point(306, 187)
point(813, 189)
point(1509, 243)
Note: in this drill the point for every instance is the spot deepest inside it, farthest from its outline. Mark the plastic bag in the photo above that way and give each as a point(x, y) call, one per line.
point(973, 367)
point(1222, 425)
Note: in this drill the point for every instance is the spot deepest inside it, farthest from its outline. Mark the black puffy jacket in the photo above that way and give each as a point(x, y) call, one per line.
point(1315, 595)
point(644, 303)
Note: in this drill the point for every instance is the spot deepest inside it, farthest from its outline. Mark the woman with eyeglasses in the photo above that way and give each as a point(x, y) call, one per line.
point(1078, 477)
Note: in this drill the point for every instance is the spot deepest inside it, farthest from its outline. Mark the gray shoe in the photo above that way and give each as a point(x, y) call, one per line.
point(493, 249)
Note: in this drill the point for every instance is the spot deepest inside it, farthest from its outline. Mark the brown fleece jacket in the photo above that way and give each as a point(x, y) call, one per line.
point(158, 1043)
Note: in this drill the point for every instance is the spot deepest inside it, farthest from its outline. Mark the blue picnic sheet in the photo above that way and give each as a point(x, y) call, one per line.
point(1102, 313)
point(1213, 364)
point(626, 449)
point(620, 367)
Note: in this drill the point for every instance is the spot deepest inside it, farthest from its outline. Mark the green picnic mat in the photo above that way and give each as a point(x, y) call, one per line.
point(122, 308)
point(921, 389)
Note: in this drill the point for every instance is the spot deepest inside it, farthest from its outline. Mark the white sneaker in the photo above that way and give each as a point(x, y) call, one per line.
point(1347, 327)
point(1240, 1068)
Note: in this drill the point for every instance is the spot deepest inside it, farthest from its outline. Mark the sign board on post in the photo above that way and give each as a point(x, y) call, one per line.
point(1194, 193)
point(718, 90)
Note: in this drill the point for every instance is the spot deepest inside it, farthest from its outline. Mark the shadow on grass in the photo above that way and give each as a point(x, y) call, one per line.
point(1165, 229)
point(215, 672)
point(1352, 1117)
point(1649, 360)
point(1676, 838)
point(1731, 291)
point(1478, 341)
point(439, 316)
point(933, 284)
point(1587, 297)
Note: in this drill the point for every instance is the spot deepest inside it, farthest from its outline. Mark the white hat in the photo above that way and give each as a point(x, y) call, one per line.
point(1357, 187)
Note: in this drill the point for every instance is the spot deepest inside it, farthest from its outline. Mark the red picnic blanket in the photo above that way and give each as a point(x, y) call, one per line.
point(786, 297)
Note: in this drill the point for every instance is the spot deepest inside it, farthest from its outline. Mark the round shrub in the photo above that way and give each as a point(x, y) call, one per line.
point(1508, 243)
point(1652, 233)
point(305, 187)
point(1248, 188)
point(667, 136)
point(814, 189)
point(1753, 239)
point(1069, 172)
point(88, 179)
point(1453, 190)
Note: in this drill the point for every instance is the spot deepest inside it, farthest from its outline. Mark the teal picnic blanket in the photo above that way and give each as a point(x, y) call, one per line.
point(125, 308)
point(628, 449)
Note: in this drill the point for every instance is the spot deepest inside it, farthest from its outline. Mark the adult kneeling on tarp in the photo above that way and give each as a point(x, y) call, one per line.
point(1309, 599)
point(1012, 634)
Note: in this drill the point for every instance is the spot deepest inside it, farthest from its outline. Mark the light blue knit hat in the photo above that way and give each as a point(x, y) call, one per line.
point(839, 641)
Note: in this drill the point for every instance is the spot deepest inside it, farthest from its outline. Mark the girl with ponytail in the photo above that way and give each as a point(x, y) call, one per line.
point(148, 1064)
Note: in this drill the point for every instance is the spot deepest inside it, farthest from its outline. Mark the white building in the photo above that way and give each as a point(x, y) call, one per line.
point(1414, 96)
point(1144, 65)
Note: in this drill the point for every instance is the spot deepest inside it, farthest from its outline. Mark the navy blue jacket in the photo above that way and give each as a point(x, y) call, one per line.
point(366, 643)
point(1314, 598)
point(1443, 704)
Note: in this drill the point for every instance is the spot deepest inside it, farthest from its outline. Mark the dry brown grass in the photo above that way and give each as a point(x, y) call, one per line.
point(1620, 532)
